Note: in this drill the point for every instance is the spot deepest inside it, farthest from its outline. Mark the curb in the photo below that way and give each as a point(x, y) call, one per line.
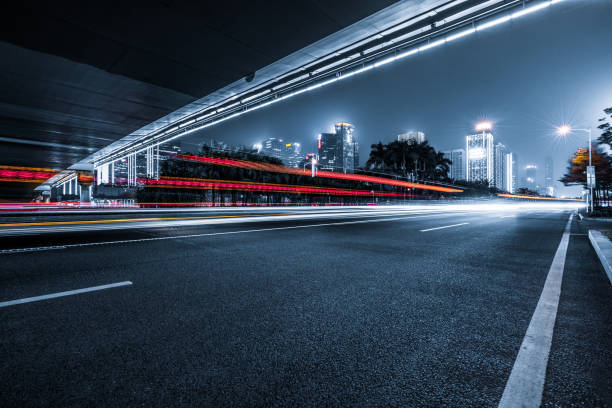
point(603, 248)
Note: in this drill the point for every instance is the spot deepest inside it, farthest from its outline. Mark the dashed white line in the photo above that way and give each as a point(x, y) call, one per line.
point(61, 294)
point(526, 383)
point(446, 226)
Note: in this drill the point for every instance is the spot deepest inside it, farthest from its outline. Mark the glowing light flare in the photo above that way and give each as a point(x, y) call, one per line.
point(483, 126)
point(564, 130)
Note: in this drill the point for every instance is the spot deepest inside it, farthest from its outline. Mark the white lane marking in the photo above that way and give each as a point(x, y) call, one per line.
point(526, 383)
point(126, 241)
point(446, 226)
point(61, 294)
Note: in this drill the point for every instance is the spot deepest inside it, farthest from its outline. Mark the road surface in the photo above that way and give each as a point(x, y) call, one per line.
point(426, 306)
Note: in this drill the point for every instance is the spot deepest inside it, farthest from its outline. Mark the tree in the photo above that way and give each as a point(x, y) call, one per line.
point(402, 158)
point(606, 128)
point(576, 171)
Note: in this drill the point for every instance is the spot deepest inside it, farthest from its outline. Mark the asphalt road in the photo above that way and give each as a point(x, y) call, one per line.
point(284, 307)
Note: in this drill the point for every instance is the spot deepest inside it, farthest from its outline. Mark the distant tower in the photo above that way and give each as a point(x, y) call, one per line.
point(339, 151)
point(479, 152)
point(415, 137)
point(510, 173)
point(530, 176)
point(457, 168)
point(549, 185)
point(500, 166)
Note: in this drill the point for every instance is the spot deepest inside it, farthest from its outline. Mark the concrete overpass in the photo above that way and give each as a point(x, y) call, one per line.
point(398, 31)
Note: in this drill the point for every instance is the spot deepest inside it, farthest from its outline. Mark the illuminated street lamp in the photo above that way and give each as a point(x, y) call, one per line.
point(567, 129)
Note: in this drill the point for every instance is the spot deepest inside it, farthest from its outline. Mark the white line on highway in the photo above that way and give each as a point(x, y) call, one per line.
point(61, 294)
point(126, 241)
point(526, 383)
point(446, 226)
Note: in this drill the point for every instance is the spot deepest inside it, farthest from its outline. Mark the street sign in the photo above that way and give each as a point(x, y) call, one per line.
point(590, 176)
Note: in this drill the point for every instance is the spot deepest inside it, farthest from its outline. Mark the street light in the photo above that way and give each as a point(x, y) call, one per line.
point(567, 129)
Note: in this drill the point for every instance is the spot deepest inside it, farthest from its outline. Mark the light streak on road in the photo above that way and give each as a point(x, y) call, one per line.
point(207, 184)
point(275, 168)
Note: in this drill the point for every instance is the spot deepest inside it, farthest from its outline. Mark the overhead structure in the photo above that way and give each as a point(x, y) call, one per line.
point(406, 28)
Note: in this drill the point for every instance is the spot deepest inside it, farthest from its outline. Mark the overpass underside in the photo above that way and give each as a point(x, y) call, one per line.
point(404, 29)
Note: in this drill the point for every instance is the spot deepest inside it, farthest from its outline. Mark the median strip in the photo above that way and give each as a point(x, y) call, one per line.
point(62, 294)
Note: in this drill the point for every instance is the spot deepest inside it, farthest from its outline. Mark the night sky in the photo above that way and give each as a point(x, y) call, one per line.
point(526, 76)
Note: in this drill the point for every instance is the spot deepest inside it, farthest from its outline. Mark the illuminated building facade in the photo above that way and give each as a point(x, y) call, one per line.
point(480, 156)
point(288, 153)
point(509, 173)
point(499, 174)
point(338, 151)
point(414, 137)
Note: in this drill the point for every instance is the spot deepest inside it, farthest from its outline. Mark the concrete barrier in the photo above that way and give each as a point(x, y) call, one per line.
point(603, 248)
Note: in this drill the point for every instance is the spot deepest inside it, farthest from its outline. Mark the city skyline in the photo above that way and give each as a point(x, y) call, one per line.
point(377, 103)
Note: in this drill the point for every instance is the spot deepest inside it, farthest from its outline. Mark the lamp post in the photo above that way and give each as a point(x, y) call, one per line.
point(566, 129)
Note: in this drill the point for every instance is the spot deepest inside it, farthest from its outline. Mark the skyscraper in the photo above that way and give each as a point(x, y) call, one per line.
point(414, 136)
point(499, 175)
point(530, 177)
point(457, 168)
point(339, 151)
point(549, 185)
point(510, 173)
point(288, 153)
point(480, 157)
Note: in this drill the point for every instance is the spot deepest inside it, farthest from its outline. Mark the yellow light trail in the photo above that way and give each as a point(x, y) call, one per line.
point(37, 224)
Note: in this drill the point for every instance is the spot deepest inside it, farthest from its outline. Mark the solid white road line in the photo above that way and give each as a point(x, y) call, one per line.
point(526, 383)
point(126, 241)
point(61, 294)
point(446, 226)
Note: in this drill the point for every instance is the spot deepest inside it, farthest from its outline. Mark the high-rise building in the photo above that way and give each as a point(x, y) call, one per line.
point(288, 153)
point(499, 174)
point(414, 136)
point(515, 175)
point(480, 155)
point(338, 151)
point(530, 177)
point(509, 173)
point(457, 167)
point(549, 185)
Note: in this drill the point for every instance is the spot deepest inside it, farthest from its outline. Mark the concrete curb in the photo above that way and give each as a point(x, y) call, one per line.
point(603, 248)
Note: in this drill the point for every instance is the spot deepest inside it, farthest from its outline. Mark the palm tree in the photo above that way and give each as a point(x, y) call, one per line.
point(378, 157)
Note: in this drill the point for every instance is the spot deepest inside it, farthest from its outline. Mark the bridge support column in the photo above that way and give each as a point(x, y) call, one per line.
point(131, 167)
point(152, 154)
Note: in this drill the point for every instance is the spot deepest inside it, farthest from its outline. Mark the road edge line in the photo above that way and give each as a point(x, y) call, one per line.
point(525, 386)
